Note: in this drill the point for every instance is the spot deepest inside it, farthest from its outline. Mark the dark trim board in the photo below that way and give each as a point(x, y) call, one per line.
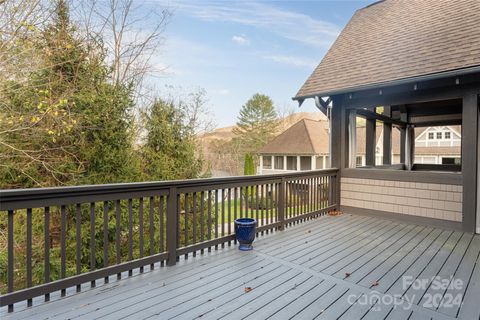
point(423, 221)
point(403, 175)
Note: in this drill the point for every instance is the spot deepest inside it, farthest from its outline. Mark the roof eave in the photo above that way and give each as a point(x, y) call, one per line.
point(433, 76)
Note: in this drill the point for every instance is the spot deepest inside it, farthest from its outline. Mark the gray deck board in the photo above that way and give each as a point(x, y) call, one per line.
point(298, 273)
point(432, 269)
point(333, 263)
point(376, 274)
point(337, 247)
point(464, 272)
point(419, 265)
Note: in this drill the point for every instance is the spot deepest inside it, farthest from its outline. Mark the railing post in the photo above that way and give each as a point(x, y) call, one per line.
point(172, 220)
point(281, 204)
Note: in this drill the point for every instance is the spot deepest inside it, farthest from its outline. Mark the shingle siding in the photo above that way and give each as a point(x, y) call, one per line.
point(439, 201)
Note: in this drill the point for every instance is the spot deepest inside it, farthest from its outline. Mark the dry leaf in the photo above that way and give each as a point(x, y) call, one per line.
point(347, 274)
point(376, 283)
point(248, 289)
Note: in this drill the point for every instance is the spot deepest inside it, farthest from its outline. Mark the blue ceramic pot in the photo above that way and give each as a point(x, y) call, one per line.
point(245, 232)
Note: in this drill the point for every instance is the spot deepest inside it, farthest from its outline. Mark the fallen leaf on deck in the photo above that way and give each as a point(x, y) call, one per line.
point(347, 274)
point(376, 283)
point(248, 289)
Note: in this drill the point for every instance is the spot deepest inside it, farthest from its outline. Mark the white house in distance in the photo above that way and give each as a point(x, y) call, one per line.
point(304, 146)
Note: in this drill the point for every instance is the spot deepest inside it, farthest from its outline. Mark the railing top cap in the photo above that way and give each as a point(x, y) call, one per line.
point(16, 195)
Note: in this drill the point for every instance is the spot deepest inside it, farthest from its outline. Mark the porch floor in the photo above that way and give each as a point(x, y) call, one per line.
point(345, 267)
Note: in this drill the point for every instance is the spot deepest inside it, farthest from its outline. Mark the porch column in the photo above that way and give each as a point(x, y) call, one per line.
point(298, 163)
point(469, 159)
point(410, 147)
point(403, 135)
point(371, 139)
point(261, 165)
point(387, 138)
point(352, 138)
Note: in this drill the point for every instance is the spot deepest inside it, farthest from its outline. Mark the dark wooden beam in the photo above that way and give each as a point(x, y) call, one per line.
point(392, 97)
point(469, 159)
point(387, 138)
point(373, 115)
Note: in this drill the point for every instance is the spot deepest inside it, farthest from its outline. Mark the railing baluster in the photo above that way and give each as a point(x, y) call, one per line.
point(256, 204)
point(229, 203)
point(29, 252)
point(63, 254)
point(92, 241)
point(223, 214)
point(152, 230)
point(176, 220)
point(235, 203)
point(130, 233)
point(118, 252)
point(47, 249)
point(202, 218)
point(194, 217)
point(216, 216)
point(10, 256)
point(241, 203)
point(209, 219)
point(140, 229)
point(78, 242)
point(173, 205)
point(187, 209)
point(162, 217)
point(105, 237)
point(267, 206)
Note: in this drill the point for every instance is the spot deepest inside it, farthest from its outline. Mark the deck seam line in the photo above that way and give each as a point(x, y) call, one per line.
point(354, 286)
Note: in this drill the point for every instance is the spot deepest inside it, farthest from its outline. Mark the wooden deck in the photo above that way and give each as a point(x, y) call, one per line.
point(346, 267)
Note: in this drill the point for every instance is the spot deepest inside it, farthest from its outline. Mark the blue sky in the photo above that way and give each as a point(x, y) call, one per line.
point(234, 49)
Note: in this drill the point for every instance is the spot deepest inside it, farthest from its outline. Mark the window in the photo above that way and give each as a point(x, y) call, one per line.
point(439, 135)
point(279, 162)
point(448, 135)
point(305, 163)
point(359, 161)
point(326, 162)
point(431, 136)
point(319, 163)
point(291, 163)
point(267, 162)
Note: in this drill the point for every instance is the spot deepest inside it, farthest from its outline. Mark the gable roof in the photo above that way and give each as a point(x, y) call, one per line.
point(399, 39)
point(307, 137)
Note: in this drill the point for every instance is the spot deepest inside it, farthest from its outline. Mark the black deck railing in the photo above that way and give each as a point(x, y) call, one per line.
point(66, 237)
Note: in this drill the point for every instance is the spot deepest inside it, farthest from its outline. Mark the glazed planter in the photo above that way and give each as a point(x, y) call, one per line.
point(245, 229)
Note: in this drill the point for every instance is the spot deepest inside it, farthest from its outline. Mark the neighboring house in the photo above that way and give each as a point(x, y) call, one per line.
point(303, 146)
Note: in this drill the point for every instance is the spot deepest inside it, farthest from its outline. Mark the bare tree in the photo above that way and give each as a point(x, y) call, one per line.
point(131, 30)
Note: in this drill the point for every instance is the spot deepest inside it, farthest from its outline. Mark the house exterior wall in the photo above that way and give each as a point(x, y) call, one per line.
point(439, 201)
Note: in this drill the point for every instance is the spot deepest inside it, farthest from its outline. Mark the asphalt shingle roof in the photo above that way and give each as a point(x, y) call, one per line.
point(399, 39)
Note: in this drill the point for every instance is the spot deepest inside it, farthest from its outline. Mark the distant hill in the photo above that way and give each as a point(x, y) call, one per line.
point(225, 134)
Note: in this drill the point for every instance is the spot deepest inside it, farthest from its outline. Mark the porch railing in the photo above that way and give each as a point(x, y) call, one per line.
point(66, 238)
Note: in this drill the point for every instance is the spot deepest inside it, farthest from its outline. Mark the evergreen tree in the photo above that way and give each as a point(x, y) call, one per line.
point(169, 150)
point(257, 123)
point(69, 124)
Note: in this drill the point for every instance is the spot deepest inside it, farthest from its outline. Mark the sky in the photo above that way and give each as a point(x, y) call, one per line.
point(234, 49)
